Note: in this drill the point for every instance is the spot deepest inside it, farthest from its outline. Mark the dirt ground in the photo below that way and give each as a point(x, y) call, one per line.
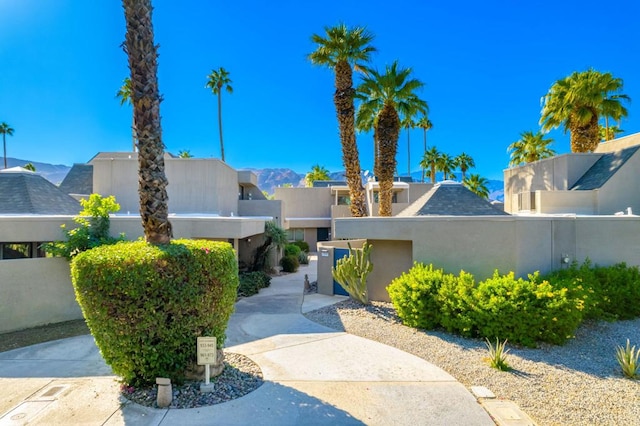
point(41, 334)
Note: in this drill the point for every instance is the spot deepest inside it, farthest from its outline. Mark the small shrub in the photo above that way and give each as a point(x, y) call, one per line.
point(498, 355)
point(145, 305)
point(303, 258)
point(289, 263)
point(291, 250)
point(628, 359)
point(92, 231)
point(252, 282)
point(415, 295)
point(525, 311)
point(619, 290)
point(351, 272)
point(304, 246)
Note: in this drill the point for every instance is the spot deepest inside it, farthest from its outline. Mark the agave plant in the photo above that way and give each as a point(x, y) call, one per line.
point(628, 359)
point(498, 354)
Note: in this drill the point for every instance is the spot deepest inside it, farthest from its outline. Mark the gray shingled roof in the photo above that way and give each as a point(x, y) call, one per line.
point(79, 180)
point(451, 199)
point(29, 193)
point(604, 169)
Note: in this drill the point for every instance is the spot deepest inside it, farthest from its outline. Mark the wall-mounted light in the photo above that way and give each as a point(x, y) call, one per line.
point(248, 240)
point(565, 259)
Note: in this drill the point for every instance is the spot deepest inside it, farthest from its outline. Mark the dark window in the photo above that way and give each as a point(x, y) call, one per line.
point(16, 250)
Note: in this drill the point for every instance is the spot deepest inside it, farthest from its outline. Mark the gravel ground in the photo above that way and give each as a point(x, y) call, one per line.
point(579, 383)
point(239, 377)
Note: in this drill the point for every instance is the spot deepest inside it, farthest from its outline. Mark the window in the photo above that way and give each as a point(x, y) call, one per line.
point(295, 234)
point(376, 197)
point(15, 250)
point(344, 200)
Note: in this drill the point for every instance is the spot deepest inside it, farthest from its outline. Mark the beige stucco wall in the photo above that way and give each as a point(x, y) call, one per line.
point(33, 228)
point(270, 208)
point(390, 259)
point(305, 202)
point(622, 190)
point(551, 174)
point(195, 185)
point(619, 143)
point(36, 292)
point(576, 202)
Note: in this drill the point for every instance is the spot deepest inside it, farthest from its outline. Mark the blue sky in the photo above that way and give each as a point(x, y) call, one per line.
point(485, 65)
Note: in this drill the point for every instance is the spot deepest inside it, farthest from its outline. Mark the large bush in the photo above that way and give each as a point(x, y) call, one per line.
point(145, 305)
point(252, 282)
point(524, 311)
point(415, 295)
point(455, 301)
point(292, 250)
point(304, 246)
point(290, 263)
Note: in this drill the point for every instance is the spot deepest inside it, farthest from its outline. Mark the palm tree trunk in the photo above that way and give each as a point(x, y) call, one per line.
point(4, 146)
point(220, 123)
point(425, 150)
point(143, 63)
point(408, 151)
point(585, 138)
point(388, 133)
point(343, 99)
point(133, 132)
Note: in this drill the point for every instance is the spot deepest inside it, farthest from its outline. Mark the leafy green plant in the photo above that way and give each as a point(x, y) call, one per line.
point(498, 354)
point(525, 311)
point(455, 303)
point(628, 359)
point(289, 263)
point(304, 246)
point(92, 231)
point(145, 304)
point(414, 294)
point(303, 258)
point(292, 250)
point(351, 272)
point(251, 283)
point(274, 238)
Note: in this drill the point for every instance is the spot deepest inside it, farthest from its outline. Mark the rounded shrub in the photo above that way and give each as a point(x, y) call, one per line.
point(303, 258)
point(414, 294)
point(524, 311)
point(145, 305)
point(455, 301)
point(292, 250)
point(304, 246)
point(289, 263)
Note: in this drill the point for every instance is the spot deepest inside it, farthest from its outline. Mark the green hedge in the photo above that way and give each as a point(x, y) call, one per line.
point(304, 246)
point(290, 263)
point(292, 250)
point(252, 282)
point(145, 305)
point(524, 311)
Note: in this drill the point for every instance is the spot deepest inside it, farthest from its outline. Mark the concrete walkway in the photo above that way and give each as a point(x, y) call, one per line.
point(313, 376)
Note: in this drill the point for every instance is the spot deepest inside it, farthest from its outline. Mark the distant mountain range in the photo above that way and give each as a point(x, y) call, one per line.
point(268, 179)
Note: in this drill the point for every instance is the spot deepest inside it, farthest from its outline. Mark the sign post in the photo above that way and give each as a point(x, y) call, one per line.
point(207, 349)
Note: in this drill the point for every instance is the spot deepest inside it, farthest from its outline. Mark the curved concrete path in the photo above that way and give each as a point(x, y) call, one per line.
point(313, 376)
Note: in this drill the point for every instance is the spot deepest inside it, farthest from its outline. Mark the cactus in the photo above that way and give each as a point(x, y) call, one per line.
point(351, 273)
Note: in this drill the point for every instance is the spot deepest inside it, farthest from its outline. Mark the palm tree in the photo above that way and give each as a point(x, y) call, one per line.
point(317, 172)
point(216, 81)
point(464, 162)
point(529, 148)
point(5, 129)
point(446, 164)
point(430, 161)
point(408, 123)
point(124, 93)
point(609, 133)
point(30, 167)
point(143, 63)
point(392, 92)
point(577, 101)
point(184, 153)
point(425, 124)
point(341, 49)
point(477, 184)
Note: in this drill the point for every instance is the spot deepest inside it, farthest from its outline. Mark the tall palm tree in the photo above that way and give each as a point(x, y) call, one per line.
point(529, 148)
point(464, 162)
point(216, 81)
point(425, 124)
point(430, 161)
point(408, 123)
point(5, 129)
point(341, 49)
point(317, 172)
point(392, 92)
point(477, 184)
point(446, 164)
point(184, 153)
point(145, 96)
point(124, 93)
point(576, 102)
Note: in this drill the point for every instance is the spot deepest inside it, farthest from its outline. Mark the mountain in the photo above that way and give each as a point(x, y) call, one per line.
point(54, 173)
